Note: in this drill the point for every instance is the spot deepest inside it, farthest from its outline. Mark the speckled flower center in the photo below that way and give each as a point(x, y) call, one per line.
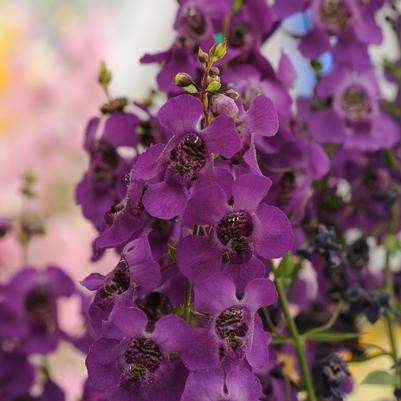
point(335, 370)
point(335, 14)
point(233, 230)
point(238, 36)
point(142, 356)
point(234, 226)
point(156, 305)
point(230, 324)
point(356, 103)
point(195, 21)
point(104, 163)
point(119, 281)
point(189, 156)
point(286, 187)
point(39, 308)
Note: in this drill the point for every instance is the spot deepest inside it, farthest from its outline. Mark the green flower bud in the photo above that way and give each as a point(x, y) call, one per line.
point(232, 94)
point(203, 56)
point(218, 51)
point(182, 79)
point(214, 72)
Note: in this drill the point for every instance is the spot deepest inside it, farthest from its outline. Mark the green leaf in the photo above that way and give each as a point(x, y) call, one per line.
point(365, 358)
point(218, 51)
point(285, 267)
point(191, 89)
point(331, 337)
point(380, 378)
point(213, 86)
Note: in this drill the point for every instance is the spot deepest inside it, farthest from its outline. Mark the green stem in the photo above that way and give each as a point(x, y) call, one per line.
point(297, 340)
point(389, 288)
point(327, 326)
point(188, 294)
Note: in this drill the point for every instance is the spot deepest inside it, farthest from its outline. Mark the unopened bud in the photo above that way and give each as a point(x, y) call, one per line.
point(232, 94)
point(203, 56)
point(218, 51)
point(224, 105)
point(182, 79)
point(214, 72)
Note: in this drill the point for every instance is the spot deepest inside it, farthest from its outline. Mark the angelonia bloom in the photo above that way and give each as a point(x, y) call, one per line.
point(29, 315)
point(245, 218)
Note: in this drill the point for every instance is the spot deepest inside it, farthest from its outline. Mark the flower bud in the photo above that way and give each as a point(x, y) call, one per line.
point(232, 94)
point(224, 105)
point(182, 79)
point(218, 51)
point(214, 72)
point(203, 56)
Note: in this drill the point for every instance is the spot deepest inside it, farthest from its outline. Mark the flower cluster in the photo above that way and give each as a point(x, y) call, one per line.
point(30, 330)
point(200, 195)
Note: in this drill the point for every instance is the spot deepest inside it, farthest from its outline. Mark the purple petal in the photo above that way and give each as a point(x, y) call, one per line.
point(150, 163)
point(120, 129)
point(206, 385)
point(145, 271)
point(249, 190)
point(100, 363)
point(207, 205)
point(93, 282)
point(326, 127)
point(286, 72)
point(172, 333)
point(314, 43)
point(258, 355)
point(180, 114)
point(198, 257)
point(126, 223)
point(52, 392)
point(243, 273)
point(59, 282)
point(318, 161)
point(261, 118)
point(243, 385)
point(214, 295)
point(90, 132)
point(165, 200)
point(125, 322)
point(259, 293)
point(203, 351)
point(273, 234)
point(221, 137)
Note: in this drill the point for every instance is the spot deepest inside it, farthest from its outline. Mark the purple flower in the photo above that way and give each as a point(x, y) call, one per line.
point(129, 361)
point(350, 20)
point(103, 185)
point(249, 82)
point(238, 384)
point(136, 269)
point(171, 168)
point(123, 220)
point(355, 118)
point(16, 374)
point(239, 235)
point(234, 331)
point(29, 308)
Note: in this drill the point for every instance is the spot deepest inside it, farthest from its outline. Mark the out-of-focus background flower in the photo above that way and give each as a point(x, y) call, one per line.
point(50, 52)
